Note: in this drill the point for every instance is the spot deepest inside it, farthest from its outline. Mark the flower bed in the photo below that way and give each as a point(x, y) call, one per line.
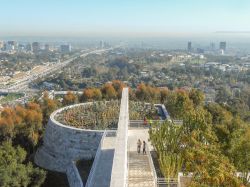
point(140, 110)
point(95, 116)
point(104, 114)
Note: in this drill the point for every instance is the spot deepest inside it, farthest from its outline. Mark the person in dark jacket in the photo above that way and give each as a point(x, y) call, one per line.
point(144, 147)
point(138, 146)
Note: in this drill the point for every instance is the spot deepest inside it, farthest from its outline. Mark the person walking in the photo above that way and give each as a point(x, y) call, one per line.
point(138, 146)
point(145, 121)
point(144, 147)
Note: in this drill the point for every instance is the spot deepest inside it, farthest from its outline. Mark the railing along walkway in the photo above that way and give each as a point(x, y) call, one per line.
point(133, 124)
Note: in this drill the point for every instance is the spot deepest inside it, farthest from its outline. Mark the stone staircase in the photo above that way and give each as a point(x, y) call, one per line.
point(139, 174)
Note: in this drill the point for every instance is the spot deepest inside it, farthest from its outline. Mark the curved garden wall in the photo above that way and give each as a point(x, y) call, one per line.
point(63, 144)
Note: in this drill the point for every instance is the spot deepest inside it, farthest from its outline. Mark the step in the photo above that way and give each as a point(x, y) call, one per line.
point(139, 174)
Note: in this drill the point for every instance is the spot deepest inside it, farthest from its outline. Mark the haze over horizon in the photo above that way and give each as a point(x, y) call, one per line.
point(142, 18)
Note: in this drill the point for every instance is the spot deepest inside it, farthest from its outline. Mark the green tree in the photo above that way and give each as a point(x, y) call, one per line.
point(219, 114)
point(13, 171)
point(222, 95)
point(208, 165)
point(178, 103)
point(202, 155)
point(239, 107)
point(197, 97)
point(195, 148)
point(166, 140)
point(240, 152)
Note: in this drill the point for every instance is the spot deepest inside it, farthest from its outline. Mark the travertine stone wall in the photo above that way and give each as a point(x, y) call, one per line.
point(120, 165)
point(64, 144)
point(73, 176)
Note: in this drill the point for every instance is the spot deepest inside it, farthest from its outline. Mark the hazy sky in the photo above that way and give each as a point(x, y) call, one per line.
point(125, 17)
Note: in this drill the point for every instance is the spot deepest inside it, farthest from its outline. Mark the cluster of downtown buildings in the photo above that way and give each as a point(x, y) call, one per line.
point(35, 47)
point(212, 47)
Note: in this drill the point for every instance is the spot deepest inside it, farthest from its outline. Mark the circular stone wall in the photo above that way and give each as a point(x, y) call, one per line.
point(63, 144)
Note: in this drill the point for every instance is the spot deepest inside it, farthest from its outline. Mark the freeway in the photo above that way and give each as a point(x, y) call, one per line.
point(22, 85)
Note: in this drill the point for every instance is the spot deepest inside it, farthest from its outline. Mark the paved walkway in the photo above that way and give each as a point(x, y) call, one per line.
point(140, 174)
point(104, 166)
point(134, 135)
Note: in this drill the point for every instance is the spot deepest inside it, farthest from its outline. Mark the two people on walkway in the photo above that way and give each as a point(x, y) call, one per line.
point(139, 147)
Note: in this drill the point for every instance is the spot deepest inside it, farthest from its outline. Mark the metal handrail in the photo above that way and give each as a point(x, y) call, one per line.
point(142, 124)
point(151, 164)
point(128, 150)
point(142, 121)
point(161, 181)
point(96, 160)
point(177, 121)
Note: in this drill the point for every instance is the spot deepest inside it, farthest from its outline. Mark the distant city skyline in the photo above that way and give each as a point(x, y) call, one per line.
point(124, 18)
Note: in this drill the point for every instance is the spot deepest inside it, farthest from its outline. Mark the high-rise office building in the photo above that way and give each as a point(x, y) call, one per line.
point(200, 50)
point(11, 46)
point(101, 44)
point(189, 47)
point(65, 48)
point(1, 44)
point(212, 46)
point(28, 47)
point(223, 46)
point(35, 47)
point(21, 47)
point(47, 47)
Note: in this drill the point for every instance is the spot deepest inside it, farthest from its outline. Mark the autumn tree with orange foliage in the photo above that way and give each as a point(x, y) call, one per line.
point(163, 94)
point(34, 106)
point(90, 94)
point(69, 99)
point(118, 86)
point(22, 124)
point(87, 94)
point(109, 91)
point(48, 106)
point(20, 130)
point(7, 123)
point(147, 93)
point(97, 94)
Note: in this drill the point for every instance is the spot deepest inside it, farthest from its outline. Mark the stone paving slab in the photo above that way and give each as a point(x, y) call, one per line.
point(140, 174)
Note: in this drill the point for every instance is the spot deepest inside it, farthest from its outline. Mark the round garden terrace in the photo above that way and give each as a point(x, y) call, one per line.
point(101, 115)
point(103, 131)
